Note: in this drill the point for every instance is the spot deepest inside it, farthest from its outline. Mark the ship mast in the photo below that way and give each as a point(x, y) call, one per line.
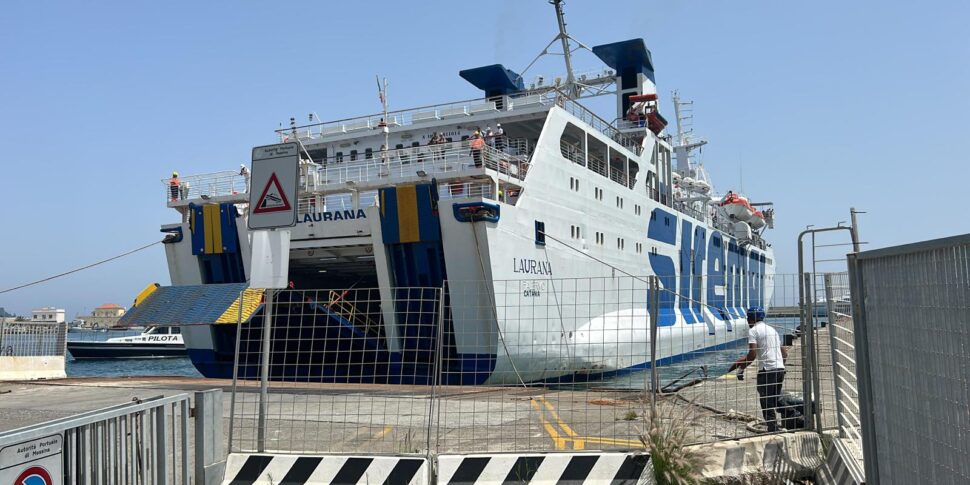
point(571, 88)
point(684, 146)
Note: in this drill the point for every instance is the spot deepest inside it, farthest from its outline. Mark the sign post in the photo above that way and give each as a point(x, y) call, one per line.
point(273, 200)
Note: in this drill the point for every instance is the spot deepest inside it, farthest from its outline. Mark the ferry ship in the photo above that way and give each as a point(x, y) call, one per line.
point(519, 260)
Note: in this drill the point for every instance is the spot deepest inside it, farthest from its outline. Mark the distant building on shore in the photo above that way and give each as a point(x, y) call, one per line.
point(104, 316)
point(48, 314)
point(6, 317)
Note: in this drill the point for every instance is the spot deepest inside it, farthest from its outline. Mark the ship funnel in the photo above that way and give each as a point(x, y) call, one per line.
point(495, 80)
point(634, 70)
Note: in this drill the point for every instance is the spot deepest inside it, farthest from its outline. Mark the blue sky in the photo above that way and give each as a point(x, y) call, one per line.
point(827, 104)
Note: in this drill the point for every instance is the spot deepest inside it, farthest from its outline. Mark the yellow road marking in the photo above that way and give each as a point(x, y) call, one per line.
point(614, 441)
point(558, 441)
point(578, 443)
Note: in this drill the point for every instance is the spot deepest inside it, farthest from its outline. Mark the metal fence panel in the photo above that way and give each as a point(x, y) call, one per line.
point(518, 365)
point(32, 350)
point(144, 442)
point(913, 342)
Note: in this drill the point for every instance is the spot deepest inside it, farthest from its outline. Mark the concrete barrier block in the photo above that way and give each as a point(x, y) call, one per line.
point(545, 468)
point(31, 368)
point(272, 469)
point(790, 455)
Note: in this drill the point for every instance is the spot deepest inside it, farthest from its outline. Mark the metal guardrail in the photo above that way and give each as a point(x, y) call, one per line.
point(143, 442)
point(430, 160)
point(206, 185)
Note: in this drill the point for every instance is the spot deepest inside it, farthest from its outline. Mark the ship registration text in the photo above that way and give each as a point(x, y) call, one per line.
point(531, 266)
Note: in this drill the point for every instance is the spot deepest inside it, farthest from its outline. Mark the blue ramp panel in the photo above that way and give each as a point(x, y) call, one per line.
point(184, 305)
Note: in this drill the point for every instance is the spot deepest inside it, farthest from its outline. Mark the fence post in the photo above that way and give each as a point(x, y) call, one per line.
point(159, 455)
point(210, 458)
point(863, 379)
point(654, 310)
point(264, 372)
point(436, 378)
point(235, 368)
point(807, 327)
point(830, 311)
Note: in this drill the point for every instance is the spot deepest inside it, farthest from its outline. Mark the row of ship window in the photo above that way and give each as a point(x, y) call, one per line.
point(576, 232)
point(598, 195)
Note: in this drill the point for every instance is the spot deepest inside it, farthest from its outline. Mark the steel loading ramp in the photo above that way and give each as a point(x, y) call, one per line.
point(193, 305)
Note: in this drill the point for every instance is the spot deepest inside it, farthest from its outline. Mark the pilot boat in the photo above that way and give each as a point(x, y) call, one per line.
point(154, 342)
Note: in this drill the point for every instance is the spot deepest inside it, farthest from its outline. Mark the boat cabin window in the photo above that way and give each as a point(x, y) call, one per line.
point(340, 157)
point(369, 153)
point(572, 144)
point(415, 144)
point(596, 156)
point(353, 155)
point(619, 169)
point(175, 330)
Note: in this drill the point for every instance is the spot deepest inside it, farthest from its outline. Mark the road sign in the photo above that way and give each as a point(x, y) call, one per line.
point(34, 462)
point(274, 185)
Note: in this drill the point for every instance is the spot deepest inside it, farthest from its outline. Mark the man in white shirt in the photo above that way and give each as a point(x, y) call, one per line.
point(764, 344)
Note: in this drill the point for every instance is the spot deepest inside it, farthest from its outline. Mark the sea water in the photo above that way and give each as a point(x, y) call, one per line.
point(181, 366)
point(704, 366)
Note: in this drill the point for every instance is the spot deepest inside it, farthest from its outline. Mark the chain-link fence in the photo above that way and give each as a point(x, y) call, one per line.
point(543, 364)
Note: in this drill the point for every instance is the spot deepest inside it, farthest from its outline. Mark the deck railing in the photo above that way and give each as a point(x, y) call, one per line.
point(426, 161)
point(206, 186)
point(459, 109)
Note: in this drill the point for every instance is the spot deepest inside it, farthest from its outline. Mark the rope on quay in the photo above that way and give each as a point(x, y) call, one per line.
point(82, 268)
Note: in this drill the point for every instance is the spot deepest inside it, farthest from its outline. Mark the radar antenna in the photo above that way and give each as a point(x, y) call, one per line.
point(572, 89)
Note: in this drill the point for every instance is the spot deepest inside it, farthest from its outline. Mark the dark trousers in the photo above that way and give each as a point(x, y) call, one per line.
point(769, 389)
point(173, 190)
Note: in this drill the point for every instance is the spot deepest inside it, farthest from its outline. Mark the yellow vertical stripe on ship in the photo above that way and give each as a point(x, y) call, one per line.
point(407, 213)
point(251, 299)
point(217, 229)
point(207, 228)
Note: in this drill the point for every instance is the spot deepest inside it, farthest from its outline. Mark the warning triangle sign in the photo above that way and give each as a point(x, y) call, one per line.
point(273, 198)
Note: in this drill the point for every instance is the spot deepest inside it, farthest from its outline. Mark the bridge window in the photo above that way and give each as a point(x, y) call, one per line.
point(353, 155)
point(340, 157)
point(369, 153)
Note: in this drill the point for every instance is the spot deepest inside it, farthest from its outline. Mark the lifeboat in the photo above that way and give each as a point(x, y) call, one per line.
point(687, 183)
point(742, 231)
point(757, 220)
point(737, 207)
point(702, 187)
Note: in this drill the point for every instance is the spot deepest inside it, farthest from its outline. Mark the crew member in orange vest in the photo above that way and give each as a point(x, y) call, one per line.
point(477, 144)
point(173, 186)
